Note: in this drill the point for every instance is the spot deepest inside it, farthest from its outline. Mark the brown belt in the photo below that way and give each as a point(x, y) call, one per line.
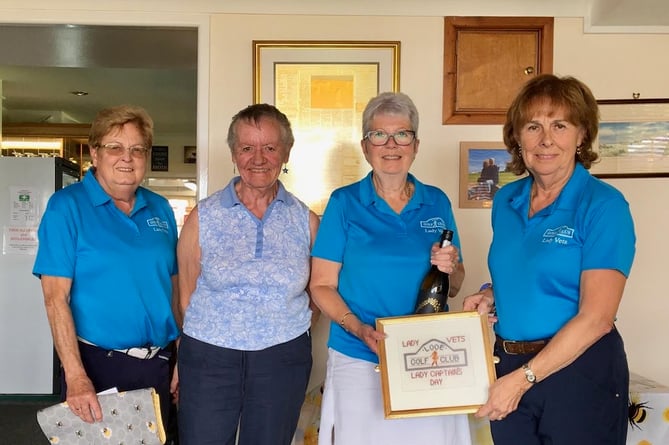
point(521, 347)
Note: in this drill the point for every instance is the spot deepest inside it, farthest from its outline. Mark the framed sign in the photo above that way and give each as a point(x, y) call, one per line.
point(633, 140)
point(483, 172)
point(159, 158)
point(435, 364)
point(322, 87)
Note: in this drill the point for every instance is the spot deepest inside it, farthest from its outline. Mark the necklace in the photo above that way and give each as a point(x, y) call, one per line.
point(405, 192)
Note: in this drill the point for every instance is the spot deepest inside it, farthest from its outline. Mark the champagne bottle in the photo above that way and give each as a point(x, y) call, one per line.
point(433, 292)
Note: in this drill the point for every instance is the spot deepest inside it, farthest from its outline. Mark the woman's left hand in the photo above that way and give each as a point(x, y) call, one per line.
point(370, 337)
point(503, 396)
point(174, 385)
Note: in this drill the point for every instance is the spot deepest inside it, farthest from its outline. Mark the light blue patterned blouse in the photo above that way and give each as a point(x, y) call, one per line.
point(251, 293)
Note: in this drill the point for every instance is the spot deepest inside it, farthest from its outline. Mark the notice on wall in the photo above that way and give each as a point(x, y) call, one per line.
point(19, 240)
point(24, 206)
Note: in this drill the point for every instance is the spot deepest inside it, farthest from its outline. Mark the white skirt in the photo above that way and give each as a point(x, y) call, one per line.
point(352, 411)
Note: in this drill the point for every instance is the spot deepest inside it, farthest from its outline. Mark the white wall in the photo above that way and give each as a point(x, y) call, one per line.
point(614, 65)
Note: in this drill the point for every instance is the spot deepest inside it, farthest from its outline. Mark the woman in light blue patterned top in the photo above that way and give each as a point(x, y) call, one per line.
point(245, 354)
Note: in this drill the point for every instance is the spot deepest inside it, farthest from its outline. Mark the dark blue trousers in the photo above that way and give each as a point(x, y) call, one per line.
point(109, 369)
point(259, 393)
point(584, 403)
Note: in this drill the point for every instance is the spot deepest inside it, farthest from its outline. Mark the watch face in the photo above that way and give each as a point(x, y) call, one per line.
point(529, 375)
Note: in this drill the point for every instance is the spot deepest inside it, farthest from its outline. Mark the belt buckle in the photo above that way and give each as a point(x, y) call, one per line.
point(142, 353)
point(509, 342)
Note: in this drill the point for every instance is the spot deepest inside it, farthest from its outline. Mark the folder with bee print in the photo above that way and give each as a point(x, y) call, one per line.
point(127, 417)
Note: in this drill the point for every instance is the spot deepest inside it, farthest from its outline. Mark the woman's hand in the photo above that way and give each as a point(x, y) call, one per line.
point(445, 258)
point(504, 395)
point(369, 336)
point(483, 302)
point(174, 385)
point(82, 399)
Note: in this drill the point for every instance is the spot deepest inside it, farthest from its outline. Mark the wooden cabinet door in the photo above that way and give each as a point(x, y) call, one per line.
point(487, 60)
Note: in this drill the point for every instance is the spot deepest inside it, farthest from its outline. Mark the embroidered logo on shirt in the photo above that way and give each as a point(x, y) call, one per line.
point(432, 225)
point(157, 225)
point(558, 235)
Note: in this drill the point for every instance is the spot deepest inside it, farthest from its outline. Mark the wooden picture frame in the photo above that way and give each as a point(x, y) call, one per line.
point(435, 364)
point(323, 87)
point(633, 139)
point(480, 178)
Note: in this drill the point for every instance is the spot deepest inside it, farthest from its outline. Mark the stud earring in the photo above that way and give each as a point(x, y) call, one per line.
point(285, 168)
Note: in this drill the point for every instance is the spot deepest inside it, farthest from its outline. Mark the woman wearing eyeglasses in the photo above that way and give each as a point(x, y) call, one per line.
point(107, 262)
point(376, 241)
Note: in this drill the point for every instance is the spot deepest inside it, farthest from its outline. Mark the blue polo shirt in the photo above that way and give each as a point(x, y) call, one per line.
point(383, 255)
point(536, 263)
point(120, 265)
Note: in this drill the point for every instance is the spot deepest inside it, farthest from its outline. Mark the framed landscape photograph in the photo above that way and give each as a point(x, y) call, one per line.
point(633, 140)
point(323, 87)
point(435, 364)
point(483, 171)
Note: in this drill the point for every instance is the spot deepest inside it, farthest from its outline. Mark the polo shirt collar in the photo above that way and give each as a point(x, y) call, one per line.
point(230, 199)
point(568, 198)
point(368, 195)
point(99, 197)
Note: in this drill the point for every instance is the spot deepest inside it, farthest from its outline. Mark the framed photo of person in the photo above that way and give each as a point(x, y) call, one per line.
point(190, 154)
point(483, 171)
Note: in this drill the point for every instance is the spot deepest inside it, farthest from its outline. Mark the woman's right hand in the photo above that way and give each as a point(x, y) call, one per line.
point(82, 399)
point(483, 302)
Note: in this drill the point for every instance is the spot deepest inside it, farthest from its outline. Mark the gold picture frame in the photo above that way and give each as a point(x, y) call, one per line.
point(632, 140)
point(323, 86)
point(435, 364)
point(480, 178)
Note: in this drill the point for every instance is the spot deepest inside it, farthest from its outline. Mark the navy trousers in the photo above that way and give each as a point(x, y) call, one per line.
point(259, 393)
point(584, 403)
point(109, 369)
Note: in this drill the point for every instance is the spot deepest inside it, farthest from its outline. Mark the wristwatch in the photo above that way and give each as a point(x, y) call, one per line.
point(529, 374)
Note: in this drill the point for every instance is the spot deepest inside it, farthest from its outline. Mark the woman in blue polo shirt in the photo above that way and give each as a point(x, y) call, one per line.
point(107, 261)
point(562, 248)
point(375, 243)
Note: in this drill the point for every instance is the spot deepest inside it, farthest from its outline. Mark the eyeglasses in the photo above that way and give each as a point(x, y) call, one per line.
point(380, 137)
point(136, 151)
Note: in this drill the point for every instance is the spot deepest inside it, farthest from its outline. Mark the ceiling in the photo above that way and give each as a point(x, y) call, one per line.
point(42, 65)
point(156, 67)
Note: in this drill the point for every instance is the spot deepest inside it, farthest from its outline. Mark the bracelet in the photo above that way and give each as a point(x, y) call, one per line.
point(485, 286)
point(343, 319)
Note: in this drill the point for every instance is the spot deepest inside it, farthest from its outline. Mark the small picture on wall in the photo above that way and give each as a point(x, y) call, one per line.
point(159, 158)
point(483, 171)
point(190, 154)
